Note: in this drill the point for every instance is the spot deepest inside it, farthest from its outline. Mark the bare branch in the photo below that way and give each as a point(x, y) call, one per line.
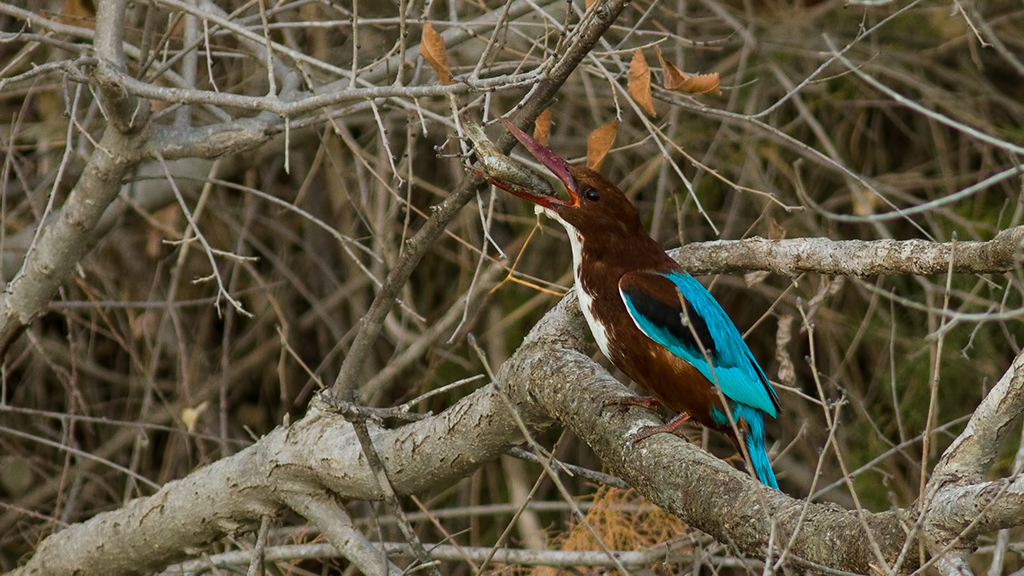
point(125, 113)
point(796, 256)
point(320, 508)
point(636, 559)
point(66, 240)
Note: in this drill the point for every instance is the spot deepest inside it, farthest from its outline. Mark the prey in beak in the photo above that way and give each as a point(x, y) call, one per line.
point(517, 178)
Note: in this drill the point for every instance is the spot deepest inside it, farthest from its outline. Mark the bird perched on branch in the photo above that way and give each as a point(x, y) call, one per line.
point(653, 320)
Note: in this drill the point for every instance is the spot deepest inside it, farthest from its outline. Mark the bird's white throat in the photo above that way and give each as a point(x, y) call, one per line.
point(599, 330)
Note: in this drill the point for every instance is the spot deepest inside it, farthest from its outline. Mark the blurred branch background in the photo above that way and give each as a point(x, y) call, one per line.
point(175, 345)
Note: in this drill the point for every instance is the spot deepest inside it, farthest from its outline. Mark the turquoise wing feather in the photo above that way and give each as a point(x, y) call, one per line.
point(710, 343)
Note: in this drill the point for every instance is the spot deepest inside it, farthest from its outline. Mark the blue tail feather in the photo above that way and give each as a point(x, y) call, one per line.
point(755, 443)
point(759, 458)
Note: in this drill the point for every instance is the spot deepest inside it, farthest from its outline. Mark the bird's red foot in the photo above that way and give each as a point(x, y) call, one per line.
point(669, 427)
point(646, 401)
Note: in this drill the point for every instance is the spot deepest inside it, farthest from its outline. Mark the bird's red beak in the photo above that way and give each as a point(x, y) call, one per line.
point(554, 163)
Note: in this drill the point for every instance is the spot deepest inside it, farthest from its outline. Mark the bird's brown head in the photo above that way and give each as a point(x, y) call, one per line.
point(593, 203)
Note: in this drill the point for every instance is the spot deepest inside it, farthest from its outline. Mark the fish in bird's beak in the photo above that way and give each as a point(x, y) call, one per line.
point(515, 177)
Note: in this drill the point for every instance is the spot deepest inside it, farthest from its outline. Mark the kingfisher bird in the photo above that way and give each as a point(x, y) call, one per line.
point(650, 318)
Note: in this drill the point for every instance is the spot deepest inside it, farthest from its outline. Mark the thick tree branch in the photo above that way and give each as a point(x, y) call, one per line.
point(63, 242)
point(547, 377)
point(854, 257)
point(318, 452)
point(968, 511)
point(970, 456)
point(124, 112)
point(957, 478)
point(632, 559)
point(320, 508)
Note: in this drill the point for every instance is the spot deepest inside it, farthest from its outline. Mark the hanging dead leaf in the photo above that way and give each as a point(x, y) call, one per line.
point(679, 81)
point(432, 49)
point(599, 142)
point(78, 13)
point(787, 370)
point(700, 84)
point(639, 83)
point(673, 76)
point(542, 127)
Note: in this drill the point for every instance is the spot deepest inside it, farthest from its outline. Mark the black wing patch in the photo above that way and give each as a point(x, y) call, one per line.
point(669, 318)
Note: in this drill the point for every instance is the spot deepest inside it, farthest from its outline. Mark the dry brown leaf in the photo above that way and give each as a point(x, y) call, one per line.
point(599, 143)
point(679, 81)
point(542, 127)
point(78, 13)
point(587, 4)
point(673, 76)
point(434, 53)
point(700, 84)
point(639, 83)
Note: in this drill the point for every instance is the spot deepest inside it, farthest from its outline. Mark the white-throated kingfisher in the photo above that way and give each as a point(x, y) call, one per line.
point(652, 319)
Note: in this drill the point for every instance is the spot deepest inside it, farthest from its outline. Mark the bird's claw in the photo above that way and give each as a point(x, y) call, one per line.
point(669, 427)
point(623, 403)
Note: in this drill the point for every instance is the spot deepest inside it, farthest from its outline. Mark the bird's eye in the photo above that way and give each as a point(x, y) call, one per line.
point(592, 195)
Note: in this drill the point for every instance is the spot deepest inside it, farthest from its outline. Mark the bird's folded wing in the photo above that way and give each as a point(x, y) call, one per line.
point(677, 312)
